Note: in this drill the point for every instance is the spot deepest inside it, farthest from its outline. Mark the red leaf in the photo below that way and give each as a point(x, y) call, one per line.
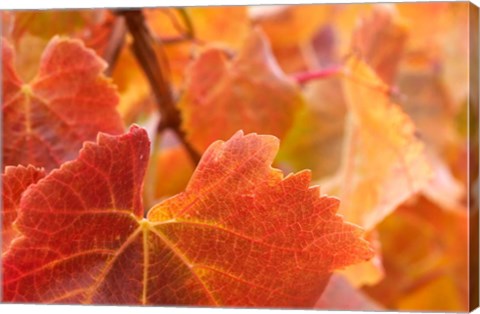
point(241, 234)
point(15, 181)
point(250, 93)
point(68, 102)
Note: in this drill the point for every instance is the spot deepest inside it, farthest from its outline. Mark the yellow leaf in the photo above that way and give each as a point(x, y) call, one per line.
point(384, 162)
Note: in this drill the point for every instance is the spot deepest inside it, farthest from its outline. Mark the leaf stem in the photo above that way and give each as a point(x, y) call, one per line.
point(143, 49)
point(305, 77)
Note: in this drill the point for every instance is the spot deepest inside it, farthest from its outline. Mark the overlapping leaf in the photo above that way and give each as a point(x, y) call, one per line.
point(48, 23)
point(315, 140)
point(301, 23)
point(192, 27)
point(241, 234)
point(30, 31)
point(426, 98)
point(69, 101)
point(425, 253)
point(15, 181)
point(173, 170)
point(384, 162)
point(132, 86)
point(347, 19)
point(441, 41)
point(380, 39)
point(250, 93)
point(209, 24)
point(370, 272)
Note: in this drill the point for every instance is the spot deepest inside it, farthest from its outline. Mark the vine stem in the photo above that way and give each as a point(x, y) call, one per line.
point(143, 49)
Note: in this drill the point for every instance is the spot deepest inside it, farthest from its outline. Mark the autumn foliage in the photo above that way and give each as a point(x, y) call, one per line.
point(286, 156)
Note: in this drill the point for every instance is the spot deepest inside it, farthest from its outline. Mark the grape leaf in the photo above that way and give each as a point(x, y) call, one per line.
point(365, 273)
point(209, 25)
point(425, 97)
point(425, 252)
point(28, 51)
point(48, 23)
point(169, 170)
point(30, 31)
point(100, 31)
point(383, 163)
point(443, 188)
point(250, 93)
point(173, 170)
point(132, 86)
point(300, 22)
point(241, 234)
point(315, 141)
point(369, 272)
point(215, 24)
point(442, 40)
point(380, 39)
point(345, 19)
point(15, 181)
point(69, 101)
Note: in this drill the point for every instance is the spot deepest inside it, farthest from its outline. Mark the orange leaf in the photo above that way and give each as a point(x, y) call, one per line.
point(210, 25)
point(68, 102)
point(425, 254)
point(425, 97)
point(292, 25)
point(132, 86)
point(290, 30)
point(250, 93)
point(216, 24)
point(241, 234)
point(383, 162)
point(379, 39)
point(15, 181)
point(370, 272)
point(347, 18)
point(173, 170)
point(443, 40)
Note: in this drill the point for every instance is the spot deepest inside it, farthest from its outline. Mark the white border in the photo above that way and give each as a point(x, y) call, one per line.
point(50, 4)
point(75, 309)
